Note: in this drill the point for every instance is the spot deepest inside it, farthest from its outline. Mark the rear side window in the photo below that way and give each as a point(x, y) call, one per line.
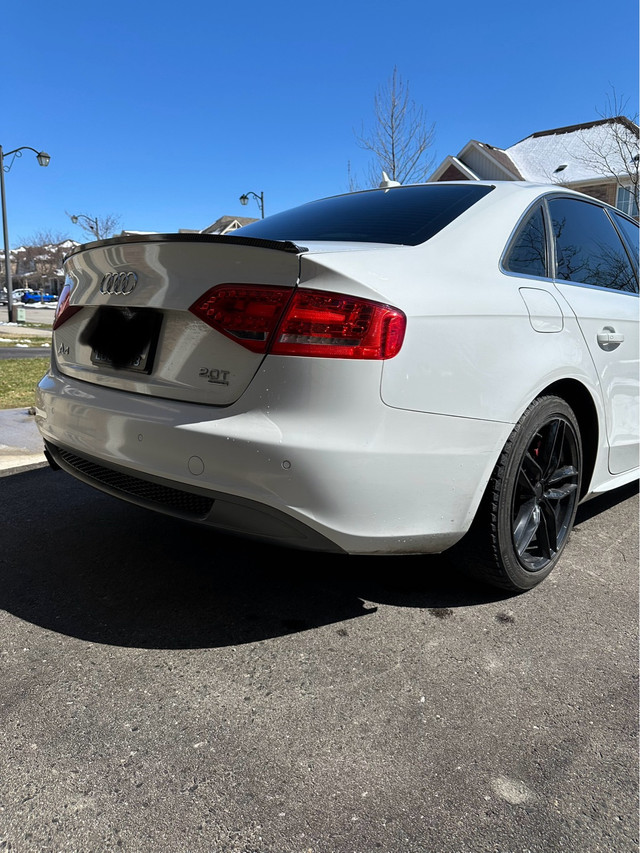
point(527, 254)
point(588, 248)
point(401, 215)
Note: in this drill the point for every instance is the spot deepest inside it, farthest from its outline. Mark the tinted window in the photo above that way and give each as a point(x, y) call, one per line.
point(402, 215)
point(588, 248)
point(528, 252)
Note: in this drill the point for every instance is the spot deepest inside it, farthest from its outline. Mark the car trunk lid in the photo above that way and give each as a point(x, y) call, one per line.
point(129, 325)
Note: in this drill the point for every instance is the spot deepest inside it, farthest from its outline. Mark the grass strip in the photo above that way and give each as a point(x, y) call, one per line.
point(18, 380)
point(22, 343)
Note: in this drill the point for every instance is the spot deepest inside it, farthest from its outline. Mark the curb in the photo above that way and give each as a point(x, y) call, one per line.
point(21, 468)
point(21, 445)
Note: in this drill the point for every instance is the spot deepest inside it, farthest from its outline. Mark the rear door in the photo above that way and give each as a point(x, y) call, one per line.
point(596, 276)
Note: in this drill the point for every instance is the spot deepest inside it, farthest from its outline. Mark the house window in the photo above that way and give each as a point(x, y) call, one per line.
point(626, 202)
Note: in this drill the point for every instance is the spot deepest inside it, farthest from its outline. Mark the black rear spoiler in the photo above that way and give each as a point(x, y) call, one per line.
point(256, 242)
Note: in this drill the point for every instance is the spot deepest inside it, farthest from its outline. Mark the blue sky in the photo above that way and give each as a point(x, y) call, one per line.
point(164, 113)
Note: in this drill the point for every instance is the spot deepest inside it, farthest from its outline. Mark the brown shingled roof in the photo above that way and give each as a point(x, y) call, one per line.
point(556, 131)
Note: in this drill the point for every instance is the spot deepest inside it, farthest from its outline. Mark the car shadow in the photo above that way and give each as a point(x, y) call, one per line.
point(609, 500)
point(83, 564)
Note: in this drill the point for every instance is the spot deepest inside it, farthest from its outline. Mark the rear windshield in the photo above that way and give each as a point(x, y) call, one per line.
point(401, 215)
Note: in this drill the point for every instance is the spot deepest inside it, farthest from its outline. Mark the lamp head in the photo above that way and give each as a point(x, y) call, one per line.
point(244, 199)
point(43, 158)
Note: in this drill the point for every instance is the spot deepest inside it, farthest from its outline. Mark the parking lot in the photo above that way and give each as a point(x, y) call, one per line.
point(165, 688)
point(43, 313)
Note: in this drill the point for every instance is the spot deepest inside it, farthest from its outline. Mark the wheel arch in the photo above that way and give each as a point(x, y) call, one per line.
point(578, 397)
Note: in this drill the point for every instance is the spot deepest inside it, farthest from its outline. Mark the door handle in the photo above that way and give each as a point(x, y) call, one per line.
point(609, 336)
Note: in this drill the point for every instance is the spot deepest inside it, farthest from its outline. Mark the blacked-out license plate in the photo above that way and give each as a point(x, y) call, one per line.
point(123, 338)
point(138, 362)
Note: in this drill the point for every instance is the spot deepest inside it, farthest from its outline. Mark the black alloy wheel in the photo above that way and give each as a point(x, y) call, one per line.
point(530, 503)
point(546, 494)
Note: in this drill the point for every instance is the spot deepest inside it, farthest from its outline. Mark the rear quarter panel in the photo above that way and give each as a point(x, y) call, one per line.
point(472, 348)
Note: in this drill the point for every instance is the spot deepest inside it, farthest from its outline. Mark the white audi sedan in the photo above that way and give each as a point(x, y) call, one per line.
point(398, 371)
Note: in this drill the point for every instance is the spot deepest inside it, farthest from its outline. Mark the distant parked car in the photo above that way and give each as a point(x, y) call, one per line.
point(16, 295)
point(31, 297)
point(395, 371)
point(19, 294)
point(25, 296)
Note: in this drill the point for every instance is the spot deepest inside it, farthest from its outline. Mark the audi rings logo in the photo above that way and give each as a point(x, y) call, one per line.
point(118, 282)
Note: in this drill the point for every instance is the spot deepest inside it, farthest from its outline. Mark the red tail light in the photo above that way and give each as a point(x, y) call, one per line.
point(64, 310)
point(332, 325)
point(247, 314)
point(303, 322)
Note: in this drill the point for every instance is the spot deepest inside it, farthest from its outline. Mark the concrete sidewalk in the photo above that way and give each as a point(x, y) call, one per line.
point(15, 330)
point(21, 445)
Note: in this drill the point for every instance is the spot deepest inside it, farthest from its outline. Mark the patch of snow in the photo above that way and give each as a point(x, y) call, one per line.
point(581, 151)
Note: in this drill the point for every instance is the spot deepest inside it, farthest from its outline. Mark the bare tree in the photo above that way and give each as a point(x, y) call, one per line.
point(37, 264)
point(45, 238)
point(617, 155)
point(400, 139)
point(99, 227)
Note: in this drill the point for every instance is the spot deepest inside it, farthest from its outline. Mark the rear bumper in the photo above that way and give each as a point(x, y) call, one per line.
point(361, 478)
point(233, 515)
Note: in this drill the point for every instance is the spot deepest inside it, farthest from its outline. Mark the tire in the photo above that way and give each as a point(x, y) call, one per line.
point(527, 512)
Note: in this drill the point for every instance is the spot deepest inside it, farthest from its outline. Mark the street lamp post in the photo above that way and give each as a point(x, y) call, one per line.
point(92, 224)
point(43, 159)
point(244, 199)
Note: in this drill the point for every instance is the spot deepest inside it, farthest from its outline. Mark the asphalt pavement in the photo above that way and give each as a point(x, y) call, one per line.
point(168, 688)
point(32, 313)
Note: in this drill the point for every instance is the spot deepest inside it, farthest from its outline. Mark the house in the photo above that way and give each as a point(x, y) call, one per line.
point(599, 158)
point(225, 224)
point(38, 267)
